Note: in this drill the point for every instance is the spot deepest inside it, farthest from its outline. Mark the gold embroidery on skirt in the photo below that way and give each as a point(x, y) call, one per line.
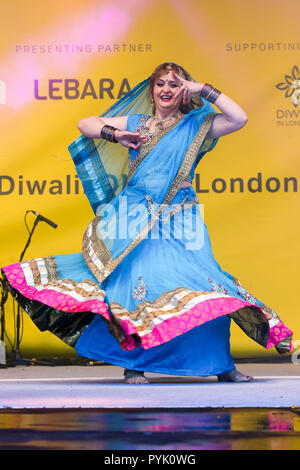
point(249, 318)
point(40, 266)
point(35, 272)
point(148, 311)
point(69, 286)
point(51, 266)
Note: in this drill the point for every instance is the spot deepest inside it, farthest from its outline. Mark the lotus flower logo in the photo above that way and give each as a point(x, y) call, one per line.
point(291, 86)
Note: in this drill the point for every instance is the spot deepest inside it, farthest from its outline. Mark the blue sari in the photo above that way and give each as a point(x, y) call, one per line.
point(146, 292)
point(151, 269)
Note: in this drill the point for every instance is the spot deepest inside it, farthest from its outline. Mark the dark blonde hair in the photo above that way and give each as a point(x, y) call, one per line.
point(165, 68)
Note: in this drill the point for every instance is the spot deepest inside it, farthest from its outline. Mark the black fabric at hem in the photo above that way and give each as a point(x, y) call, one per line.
point(67, 326)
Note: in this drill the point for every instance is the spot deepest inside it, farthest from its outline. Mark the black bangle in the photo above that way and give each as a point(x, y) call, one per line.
point(209, 93)
point(108, 133)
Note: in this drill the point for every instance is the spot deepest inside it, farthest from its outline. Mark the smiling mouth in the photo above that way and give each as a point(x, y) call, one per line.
point(166, 97)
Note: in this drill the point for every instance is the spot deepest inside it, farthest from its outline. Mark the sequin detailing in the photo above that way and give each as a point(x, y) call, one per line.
point(140, 291)
point(218, 287)
point(247, 295)
point(164, 213)
point(269, 313)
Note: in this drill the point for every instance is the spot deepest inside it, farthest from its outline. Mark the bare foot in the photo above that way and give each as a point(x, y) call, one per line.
point(136, 380)
point(134, 377)
point(234, 376)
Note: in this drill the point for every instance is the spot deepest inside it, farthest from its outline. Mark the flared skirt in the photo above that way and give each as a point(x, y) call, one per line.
point(166, 307)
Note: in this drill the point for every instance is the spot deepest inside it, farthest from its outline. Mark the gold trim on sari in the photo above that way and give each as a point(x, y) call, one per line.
point(189, 157)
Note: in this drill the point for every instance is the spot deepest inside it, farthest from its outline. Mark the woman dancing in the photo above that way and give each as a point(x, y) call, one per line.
point(146, 293)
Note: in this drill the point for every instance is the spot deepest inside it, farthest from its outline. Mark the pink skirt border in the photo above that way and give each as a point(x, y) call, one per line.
point(168, 329)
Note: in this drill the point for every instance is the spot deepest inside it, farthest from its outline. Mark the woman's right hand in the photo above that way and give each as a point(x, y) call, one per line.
point(130, 139)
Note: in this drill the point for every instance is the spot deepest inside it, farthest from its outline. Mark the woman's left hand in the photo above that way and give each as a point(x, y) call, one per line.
point(187, 88)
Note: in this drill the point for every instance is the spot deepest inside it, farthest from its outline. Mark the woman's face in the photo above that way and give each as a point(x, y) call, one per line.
point(164, 89)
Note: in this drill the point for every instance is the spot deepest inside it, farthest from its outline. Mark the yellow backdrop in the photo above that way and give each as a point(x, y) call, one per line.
point(67, 60)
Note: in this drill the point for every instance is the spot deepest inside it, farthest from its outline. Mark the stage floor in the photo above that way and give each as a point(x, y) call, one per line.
point(89, 408)
point(101, 387)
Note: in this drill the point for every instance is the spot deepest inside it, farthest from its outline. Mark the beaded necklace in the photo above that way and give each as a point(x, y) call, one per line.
point(153, 138)
point(161, 124)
